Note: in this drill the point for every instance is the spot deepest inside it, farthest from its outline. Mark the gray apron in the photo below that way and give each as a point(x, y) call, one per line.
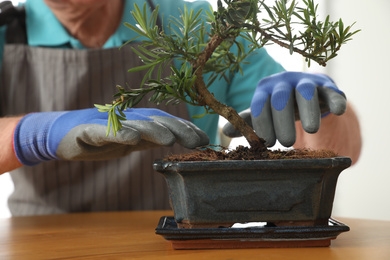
point(36, 79)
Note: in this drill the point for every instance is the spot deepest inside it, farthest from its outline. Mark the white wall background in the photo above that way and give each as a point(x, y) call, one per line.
point(361, 71)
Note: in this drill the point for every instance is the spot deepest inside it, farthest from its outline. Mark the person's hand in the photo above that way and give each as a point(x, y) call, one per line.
point(282, 98)
point(82, 134)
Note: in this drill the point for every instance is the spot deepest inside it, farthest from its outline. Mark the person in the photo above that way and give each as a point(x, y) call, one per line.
point(65, 60)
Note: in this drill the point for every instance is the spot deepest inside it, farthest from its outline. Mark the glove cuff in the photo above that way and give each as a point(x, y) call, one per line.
point(325, 114)
point(30, 139)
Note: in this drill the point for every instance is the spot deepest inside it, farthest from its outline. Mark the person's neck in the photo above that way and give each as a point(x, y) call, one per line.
point(92, 24)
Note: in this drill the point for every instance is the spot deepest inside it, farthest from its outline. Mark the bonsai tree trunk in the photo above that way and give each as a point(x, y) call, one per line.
point(207, 99)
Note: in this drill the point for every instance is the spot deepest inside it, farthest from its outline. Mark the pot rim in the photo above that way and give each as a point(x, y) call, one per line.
point(332, 162)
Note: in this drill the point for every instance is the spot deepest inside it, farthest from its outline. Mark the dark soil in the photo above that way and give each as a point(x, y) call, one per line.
point(248, 153)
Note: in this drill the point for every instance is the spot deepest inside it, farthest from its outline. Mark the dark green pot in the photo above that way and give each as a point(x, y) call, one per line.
point(298, 192)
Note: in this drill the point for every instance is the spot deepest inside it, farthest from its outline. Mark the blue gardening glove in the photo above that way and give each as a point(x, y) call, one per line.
point(81, 134)
point(282, 98)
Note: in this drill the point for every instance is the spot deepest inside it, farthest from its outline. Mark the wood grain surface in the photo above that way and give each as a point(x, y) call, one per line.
point(131, 235)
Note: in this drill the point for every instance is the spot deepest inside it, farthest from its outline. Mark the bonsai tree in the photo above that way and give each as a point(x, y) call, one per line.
point(204, 46)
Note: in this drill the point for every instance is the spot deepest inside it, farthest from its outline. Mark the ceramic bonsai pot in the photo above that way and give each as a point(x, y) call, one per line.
point(290, 192)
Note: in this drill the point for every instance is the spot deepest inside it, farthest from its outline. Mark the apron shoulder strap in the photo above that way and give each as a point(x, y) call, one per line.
point(14, 18)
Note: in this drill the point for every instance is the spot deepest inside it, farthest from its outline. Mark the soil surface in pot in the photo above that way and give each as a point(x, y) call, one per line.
point(248, 153)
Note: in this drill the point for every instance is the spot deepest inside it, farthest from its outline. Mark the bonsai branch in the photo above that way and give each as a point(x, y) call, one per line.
point(319, 60)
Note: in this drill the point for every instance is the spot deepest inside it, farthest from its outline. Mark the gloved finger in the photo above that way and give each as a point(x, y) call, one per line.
point(283, 118)
point(334, 99)
point(262, 114)
point(90, 142)
point(264, 126)
point(132, 113)
point(151, 131)
point(306, 96)
point(203, 137)
point(96, 135)
point(259, 100)
point(229, 130)
point(185, 132)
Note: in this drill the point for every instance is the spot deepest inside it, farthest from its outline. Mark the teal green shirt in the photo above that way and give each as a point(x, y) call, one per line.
point(43, 29)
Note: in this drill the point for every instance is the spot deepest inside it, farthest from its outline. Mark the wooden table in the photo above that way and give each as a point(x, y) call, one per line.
point(131, 235)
